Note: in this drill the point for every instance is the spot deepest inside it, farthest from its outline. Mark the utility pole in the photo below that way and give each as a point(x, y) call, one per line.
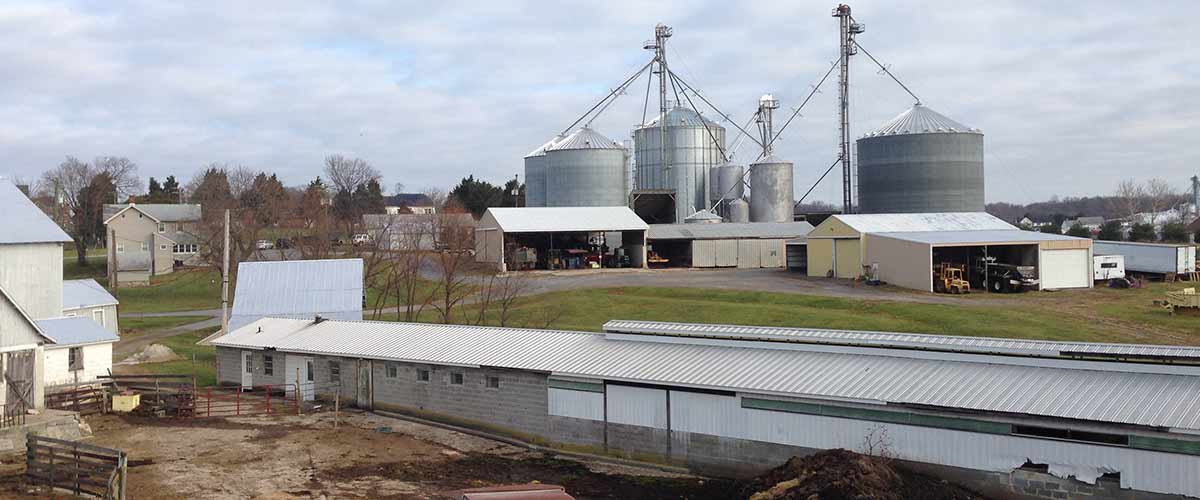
point(848, 28)
point(225, 280)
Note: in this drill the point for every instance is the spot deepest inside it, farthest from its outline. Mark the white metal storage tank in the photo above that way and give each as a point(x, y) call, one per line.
point(693, 146)
point(587, 169)
point(920, 162)
point(771, 194)
point(535, 175)
point(739, 211)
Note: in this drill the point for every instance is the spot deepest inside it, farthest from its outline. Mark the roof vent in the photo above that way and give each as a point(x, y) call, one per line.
point(318, 320)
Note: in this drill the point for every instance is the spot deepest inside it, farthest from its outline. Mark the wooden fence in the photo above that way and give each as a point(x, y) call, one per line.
point(79, 468)
point(12, 415)
point(84, 400)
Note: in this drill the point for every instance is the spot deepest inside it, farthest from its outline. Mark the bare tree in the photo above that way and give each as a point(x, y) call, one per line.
point(123, 172)
point(1128, 200)
point(453, 263)
point(437, 196)
point(241, 179)
point(73, 187)
point(1160, 195)
point(347, 174)
point(498, 294)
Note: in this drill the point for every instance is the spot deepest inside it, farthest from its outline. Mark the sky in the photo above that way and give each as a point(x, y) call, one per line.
point(1071, 97)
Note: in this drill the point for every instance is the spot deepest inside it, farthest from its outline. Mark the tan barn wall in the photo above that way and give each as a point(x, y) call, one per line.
point(820, 257)
point(901, 263)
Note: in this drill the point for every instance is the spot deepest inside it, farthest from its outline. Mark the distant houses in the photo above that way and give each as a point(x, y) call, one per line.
point(147, 240)
point(411, 203)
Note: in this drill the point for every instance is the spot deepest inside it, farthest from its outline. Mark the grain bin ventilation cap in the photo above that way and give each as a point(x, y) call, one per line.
point(922, 120)
point(585, 138)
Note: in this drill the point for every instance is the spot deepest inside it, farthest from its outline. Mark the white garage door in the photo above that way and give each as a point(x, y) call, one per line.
point(1065, 269)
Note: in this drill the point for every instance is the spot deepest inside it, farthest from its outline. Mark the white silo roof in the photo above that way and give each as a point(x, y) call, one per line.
point(682, 117)
point(921, 120)
point(541, 150)
point(585, 138)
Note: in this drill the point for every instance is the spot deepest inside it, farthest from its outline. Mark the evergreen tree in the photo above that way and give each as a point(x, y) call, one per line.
point(1142, 232)
point(1174, 232)
point(1077, 230)
point(1052, 228)
point(1110, 231)
point(154, 193)
point(170, 190)
point(476, 196)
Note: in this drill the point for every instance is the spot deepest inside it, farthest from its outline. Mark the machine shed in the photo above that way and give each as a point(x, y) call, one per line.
point(909, 259)
point(560, 238)
point(729, 244)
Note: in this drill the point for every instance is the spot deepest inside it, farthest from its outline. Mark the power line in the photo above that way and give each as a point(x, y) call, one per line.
point(887, 71)
point(607, 97)
point(796, 112)
point(714, 108)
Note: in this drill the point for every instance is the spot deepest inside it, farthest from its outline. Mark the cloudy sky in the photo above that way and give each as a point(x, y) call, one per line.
point(1071, 100)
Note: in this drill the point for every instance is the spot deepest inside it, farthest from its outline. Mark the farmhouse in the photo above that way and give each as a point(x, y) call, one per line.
point(738, 400)
point(145, 240)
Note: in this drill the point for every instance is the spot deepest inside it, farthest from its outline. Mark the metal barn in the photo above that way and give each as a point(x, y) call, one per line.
point(729, 244)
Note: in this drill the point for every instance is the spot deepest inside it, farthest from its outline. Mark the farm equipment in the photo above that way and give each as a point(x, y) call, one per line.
point(999, 277)
point(1187, 299)
point(948, 278)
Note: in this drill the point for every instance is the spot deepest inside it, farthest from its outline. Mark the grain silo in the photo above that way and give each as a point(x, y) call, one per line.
point(771, 194)
point(690, 145)
point(586, 169)
point(921, 161)
point(535, 175)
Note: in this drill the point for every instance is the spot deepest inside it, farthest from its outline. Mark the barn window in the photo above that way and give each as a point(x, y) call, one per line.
point(98, 316)
point(390, 371)
point(268, 365)
point(456, 378)
point(422, 375)
point(308, 377)
point(75, 358)
point(493, 382)
point(335, 371)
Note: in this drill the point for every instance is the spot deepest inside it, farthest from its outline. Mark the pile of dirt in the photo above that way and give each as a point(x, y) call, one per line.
point(845, 475)
point(153, 353)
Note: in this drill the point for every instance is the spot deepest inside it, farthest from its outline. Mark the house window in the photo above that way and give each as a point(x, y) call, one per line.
point(185, 248)
point(179, 226)
point(456, 378)
point(309, 368)
point(162, 246)
point(390, 371)
point(75, 358)
point(249, 364)
point(98, 315)
point(493, 382)
point(145, 247)
point(268, 365)
point(162, 227)
point(422, 375)
point(335, 371)
point(120, 248)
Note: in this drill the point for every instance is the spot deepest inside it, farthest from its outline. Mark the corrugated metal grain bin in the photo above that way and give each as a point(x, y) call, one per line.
point(1157, 258)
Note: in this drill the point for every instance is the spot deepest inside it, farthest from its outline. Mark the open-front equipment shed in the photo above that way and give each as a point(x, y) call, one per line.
point(560, 238)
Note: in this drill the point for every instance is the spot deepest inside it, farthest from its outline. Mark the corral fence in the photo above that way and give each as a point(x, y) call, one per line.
point(266, 400)
point(79, 468)
point(85, 399)
point(160, 394)
point(12, 415)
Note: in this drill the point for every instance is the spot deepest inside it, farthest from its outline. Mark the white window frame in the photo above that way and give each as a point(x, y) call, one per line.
point(145, 247)
point(75, 358)
point(120, 248)
point(98, 316)
point(162, 246)
point(162, 227)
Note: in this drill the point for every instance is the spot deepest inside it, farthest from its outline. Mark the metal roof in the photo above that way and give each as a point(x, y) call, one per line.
point(921, 120)
point(23, 222)
point(564, 219)
point(541, 150)
point(680, 116)
point(1114, 245)
point(161, 212)
point(585, 138)
point(979, 345)
point(85, 293)
point(130, 260)
point(298, 289)
point(982, 237)
point(75, 330)
point(729, 230)
point(941, 221)
point(1149, 399)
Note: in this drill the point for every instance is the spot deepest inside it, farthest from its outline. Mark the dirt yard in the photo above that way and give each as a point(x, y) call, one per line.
point(368, 456)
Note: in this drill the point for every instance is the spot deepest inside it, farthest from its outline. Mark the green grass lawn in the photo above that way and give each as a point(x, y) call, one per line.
point(183, 290)
point(133, 327)
point(589, 309)
point(97, 267)
point(184, 345)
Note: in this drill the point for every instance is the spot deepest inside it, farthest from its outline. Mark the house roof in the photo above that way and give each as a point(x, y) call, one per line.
point(409, 200)
point(160, 212)
point(392, 221)
point(21, 221)
point(75, 330)
point(941, 221)
point(298, 289)
point(1003, 236)
point(562, 219)
point(729, 230)
point(85, 293)
point(969, 382)
point(1085, 221)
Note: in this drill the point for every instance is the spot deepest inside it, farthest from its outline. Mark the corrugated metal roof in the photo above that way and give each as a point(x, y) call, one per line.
point(162, 212)
point(585, 138)
point(1159, 400)
point(729, 230)
point(546, 219)
point(921, 120)
point(942, 221)
point(85, 293)
point(23, 222)
point(541, 150)
point(75, 330)
point(976, 237)
point(682, 117)
point(981, 345)
point(298, 289)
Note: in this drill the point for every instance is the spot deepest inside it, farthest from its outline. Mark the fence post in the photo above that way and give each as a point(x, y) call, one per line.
point(75, 449)
point(208, 412)
point(297, 396)
point(337, 397)
point(124, 462)
point(268, 400)
point(238, 407)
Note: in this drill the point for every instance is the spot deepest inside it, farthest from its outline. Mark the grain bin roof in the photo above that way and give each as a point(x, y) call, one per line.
point(729, 230)
point(941, 221)
point(921, 120)
point(298, 289)
point(561, 219)
point(541, 150)
point(23, 222)
point(1004, 384)
point(681, 117)
point(584, 138)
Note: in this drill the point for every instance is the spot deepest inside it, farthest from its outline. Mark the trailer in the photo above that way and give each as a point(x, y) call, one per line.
point(1107, 267)
point(1186, 299)
point(1167, 259)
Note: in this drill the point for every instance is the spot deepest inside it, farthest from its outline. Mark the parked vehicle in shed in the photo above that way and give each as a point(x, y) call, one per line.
point(1000, 277)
